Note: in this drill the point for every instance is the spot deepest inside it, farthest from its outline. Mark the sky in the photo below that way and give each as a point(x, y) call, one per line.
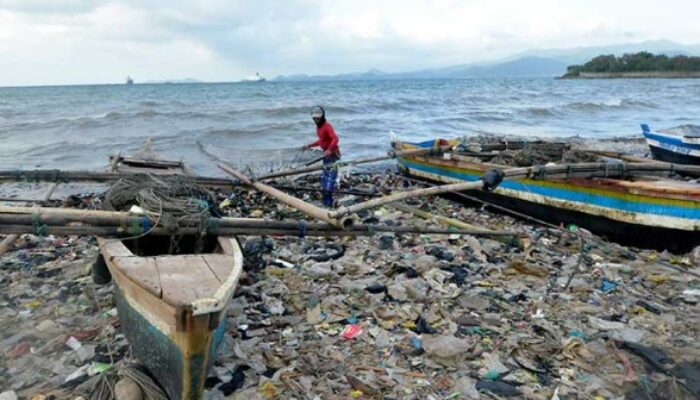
point(95, 41)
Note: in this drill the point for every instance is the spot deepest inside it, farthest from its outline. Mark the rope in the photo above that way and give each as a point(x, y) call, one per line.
point(39, 229)
point(151, 390)
point(101, 387)
point(302, 228)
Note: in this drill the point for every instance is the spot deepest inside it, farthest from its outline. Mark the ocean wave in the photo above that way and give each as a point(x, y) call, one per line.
point(612, 104)
point(256, 130)
point(541, 111)
point(150, 103)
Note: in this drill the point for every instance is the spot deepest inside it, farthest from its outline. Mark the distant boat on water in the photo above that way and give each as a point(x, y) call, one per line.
point(254, 78)
point(129, 81)
point(675, 145)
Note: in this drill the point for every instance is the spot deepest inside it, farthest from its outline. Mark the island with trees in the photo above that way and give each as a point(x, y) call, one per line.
point(637, 65)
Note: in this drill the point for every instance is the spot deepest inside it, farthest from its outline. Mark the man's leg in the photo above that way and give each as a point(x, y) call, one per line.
point(329, 176)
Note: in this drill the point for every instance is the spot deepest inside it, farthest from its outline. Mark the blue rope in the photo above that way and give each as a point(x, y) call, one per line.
point(39, 229)
point(302, 229)
point(145, 223)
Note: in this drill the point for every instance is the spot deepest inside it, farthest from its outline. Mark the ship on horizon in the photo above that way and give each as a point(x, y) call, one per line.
point(254, 78)
point(129, 81)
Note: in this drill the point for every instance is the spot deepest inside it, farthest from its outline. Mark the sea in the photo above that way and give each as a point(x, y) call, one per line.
point(264, 124)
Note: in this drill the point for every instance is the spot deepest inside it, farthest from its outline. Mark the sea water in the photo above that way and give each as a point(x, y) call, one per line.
point(78, 127)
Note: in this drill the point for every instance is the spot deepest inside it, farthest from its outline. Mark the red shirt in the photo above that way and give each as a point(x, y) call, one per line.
point(327, 139)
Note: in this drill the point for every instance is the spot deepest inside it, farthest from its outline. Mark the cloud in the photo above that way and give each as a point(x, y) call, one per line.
point(87, 41)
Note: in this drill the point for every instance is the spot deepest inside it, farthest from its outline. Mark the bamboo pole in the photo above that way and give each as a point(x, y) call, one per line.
point(308, 209)
point(10, 240)
point(379, 201)
point(390, 155)
point(621, 156)
point(72, 221)
point(55, 175)
point(115, 231)
point(522, 239)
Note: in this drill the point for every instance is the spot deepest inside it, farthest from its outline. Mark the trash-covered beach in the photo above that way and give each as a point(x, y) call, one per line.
point(562, 315)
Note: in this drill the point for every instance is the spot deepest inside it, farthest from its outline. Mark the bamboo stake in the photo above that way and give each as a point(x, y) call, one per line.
point(390, 155)
point(308, 209)
point(10, 240)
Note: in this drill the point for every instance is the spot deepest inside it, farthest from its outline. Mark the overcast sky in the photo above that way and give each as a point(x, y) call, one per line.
point(94, 41)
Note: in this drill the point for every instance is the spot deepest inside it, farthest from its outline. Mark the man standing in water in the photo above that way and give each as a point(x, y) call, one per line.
point(328, 141)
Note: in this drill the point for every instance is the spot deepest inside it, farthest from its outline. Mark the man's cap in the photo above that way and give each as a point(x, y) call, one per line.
point(317, 112)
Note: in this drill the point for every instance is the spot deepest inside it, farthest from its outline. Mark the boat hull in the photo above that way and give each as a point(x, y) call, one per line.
point(674, 148)
point(665, 155)
point(178, 361)
point(640, 214)
point(175, 336)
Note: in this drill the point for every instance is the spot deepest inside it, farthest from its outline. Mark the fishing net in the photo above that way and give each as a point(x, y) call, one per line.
point(172, 201)
point(532, 154)
point(261, 161)
point(101, 387)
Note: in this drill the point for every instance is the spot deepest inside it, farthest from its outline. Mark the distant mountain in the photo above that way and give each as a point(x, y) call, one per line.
point(535, 62)
point(580, 55)
point(524, 66)
point(369, 75)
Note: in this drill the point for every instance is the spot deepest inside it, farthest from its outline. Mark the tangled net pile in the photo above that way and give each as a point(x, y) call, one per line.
point(172, 201)
point(101, 387)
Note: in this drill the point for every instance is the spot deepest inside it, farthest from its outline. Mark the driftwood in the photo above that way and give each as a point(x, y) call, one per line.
point(308, 209)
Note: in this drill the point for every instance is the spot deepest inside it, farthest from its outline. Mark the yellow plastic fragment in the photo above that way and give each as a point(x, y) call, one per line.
point(269, 390)
point(639, 310)
point(356, 394)
point(408, 324)
point(33, 304)
point(657, 278)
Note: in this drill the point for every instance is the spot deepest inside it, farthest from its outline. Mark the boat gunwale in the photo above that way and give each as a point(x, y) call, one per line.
point(208, 305)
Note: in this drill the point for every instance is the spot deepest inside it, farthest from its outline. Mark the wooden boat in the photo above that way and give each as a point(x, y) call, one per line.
point(652, 212)
point(679, 145)
point(172, 306)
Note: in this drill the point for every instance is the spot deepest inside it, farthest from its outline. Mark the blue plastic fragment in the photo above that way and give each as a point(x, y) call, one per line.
point(416, 342)
point(607, 286)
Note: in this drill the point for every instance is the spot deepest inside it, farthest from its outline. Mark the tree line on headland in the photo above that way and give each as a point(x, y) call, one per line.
point(635, 63)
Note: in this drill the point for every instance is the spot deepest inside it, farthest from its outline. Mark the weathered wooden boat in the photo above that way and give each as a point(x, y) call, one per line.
point(679, 145)
point(654, 212)
point(172, 306)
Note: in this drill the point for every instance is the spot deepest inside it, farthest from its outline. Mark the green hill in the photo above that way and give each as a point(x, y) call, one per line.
point(642, 62)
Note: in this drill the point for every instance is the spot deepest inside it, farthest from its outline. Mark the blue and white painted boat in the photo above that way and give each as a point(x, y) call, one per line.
point(652, 212)
point(680, 145)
